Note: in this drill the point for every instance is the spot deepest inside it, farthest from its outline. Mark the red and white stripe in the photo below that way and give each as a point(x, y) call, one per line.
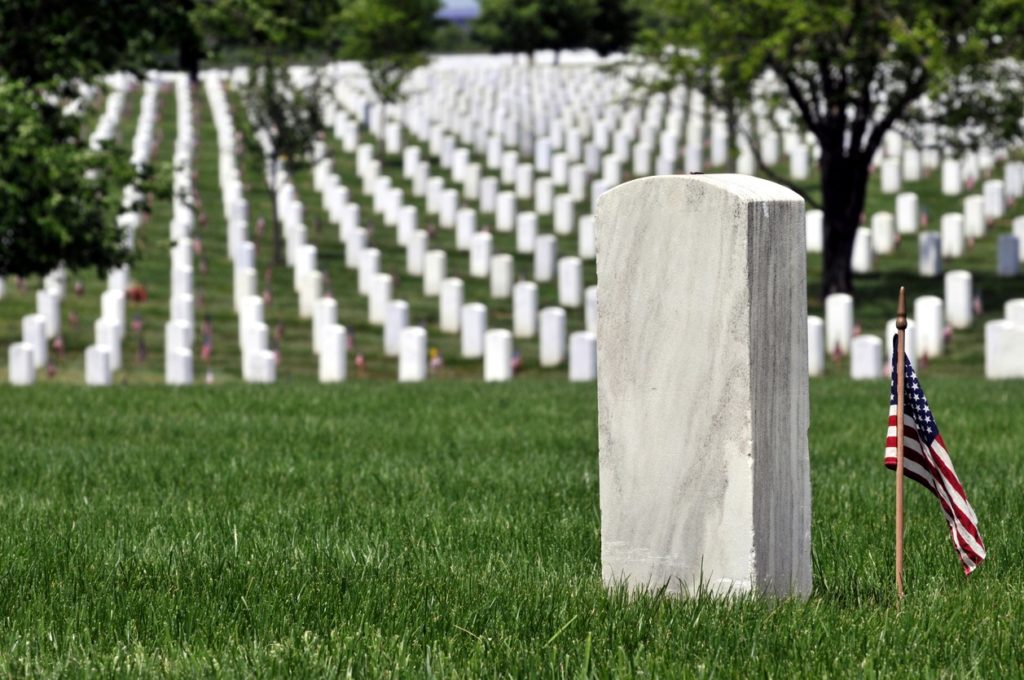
point(932, 468)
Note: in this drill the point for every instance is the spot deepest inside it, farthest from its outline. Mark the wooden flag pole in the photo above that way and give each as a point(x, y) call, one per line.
point(901, 327)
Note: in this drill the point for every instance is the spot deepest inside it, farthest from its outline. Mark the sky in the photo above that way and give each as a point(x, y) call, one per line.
point(459, 9)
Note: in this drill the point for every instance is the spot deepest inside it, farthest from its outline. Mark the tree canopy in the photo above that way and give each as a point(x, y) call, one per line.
point(854, 69)
point(54, 204)
point(389, 37)
point(528, 25)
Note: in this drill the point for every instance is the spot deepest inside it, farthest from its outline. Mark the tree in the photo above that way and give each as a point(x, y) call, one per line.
point(55, 200)
point(389, 37)
point(855, 69)
point(529, 25)
point(54, 205)
point(281, 121)
point(614, 26)
point(281, 127)
point(53, 41)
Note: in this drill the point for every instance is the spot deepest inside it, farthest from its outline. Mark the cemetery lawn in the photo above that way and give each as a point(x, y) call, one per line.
point(453, 529)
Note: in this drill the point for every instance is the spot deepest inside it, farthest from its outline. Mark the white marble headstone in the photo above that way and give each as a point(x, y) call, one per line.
point(702, 386)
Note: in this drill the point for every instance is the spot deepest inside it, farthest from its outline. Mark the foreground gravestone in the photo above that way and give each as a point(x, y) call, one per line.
point(702, 386)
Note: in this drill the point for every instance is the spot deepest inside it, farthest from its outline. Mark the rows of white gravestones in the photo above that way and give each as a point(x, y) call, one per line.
point(426, 175)
point(934, 318)
point(507, 162)
point(43, 330)
point(981, 209)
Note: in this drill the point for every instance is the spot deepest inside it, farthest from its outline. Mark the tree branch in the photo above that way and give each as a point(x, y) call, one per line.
point(774, 176)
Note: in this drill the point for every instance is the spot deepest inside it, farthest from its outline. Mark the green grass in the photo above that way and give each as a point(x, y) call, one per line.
point(453, 530)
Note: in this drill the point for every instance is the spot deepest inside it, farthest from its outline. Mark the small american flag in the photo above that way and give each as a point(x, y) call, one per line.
point(926, 461)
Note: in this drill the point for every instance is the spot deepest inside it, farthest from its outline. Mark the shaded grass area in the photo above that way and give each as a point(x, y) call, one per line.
point(453, 530)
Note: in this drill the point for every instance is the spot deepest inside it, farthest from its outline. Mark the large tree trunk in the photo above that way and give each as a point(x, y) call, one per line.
point(844, 184)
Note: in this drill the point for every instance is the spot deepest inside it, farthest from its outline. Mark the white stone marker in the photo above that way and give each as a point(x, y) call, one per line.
point(369, 267)
point(526, 232)
point(545, 256)
point(930, 321)
point(97, 366)
point(587, 243)
point(480, 251)
point(355, 243)
point(702, 395)
point(1004, 350)
point(473, 328)
point(974, 216)
point(262, 366)
point(178, 367)
point(552, 336)
point(815, 346)
point(951, 184)
point(449, 304)
point(465, 228)
point(1013, 311)
point(325, 313)
point(958, 294)
point(908, 213)
point(951, 233)
point(866, 357)
point(395, 321)
point(565, 214)
point(416, 252)
point(108, 335)
point(332, 366)
point(21, 368)
point(310, 290)
point(570, 282)
point(505, 212)
point(890, 175)
point(994, 196)
point(48, 304)
point(524, 309)
point(1008, 256)
point(33, 331)
point(408, 222)
point(498, 355)
point(815, 222)
point(862, 261)
point(929, 254)
point(412, 357)
point(838, 322)
point(582, 356)
point(883, 233)
point(435, 269)
point(503, 273)
point(379, 298)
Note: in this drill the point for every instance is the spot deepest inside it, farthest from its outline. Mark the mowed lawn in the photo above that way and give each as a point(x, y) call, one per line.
point(453, 530)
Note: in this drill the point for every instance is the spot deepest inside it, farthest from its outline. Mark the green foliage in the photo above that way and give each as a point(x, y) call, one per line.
point(281, 124)
point(528, 25)
point(853, 69)
point(390, 38)
point(281, 26)
point(52, 41)
point(453, 530)
point(55, 204)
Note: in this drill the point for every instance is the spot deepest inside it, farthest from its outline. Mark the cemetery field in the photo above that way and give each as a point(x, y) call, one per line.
point(452, 529)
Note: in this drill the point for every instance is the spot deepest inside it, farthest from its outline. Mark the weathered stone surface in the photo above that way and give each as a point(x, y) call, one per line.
point(702, 386)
